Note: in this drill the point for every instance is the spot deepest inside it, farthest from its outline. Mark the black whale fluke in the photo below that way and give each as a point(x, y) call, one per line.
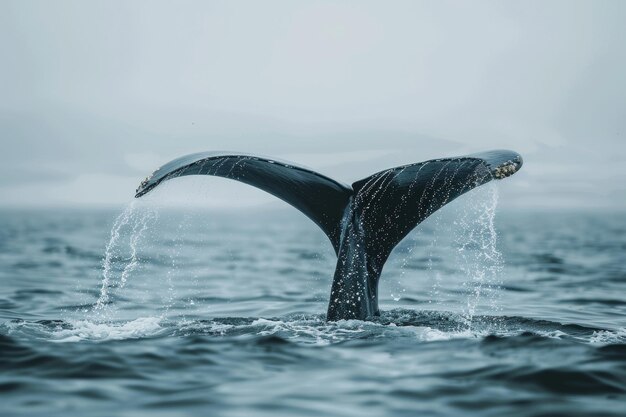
point(365, 221)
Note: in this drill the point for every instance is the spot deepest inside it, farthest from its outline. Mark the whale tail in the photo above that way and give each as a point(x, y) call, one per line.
point(386, 206)
point(365, 221)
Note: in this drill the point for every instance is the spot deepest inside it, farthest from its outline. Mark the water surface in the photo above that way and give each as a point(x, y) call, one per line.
point(222, 314)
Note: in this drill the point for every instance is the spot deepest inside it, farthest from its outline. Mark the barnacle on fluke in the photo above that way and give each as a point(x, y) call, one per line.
point(145, 182)
point(507, 169)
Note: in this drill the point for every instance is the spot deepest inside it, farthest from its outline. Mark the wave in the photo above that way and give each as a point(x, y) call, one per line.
point(421, 326)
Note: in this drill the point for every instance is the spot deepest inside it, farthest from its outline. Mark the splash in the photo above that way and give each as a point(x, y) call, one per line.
point(174, 252)
point(130, 224)
point(465, 236)
point(125, 276)
point(477, 254)
point(139, 228)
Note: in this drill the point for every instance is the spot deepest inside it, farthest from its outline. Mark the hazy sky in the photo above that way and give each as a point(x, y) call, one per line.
point(94, 95)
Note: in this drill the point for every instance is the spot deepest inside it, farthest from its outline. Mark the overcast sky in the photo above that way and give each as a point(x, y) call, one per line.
point(94, 95)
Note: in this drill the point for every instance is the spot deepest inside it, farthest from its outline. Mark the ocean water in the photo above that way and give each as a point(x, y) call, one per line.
point(155, 311)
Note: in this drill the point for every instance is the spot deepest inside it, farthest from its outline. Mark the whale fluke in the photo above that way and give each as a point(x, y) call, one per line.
point(320, 198)
point(386, 206)
point(365, 221)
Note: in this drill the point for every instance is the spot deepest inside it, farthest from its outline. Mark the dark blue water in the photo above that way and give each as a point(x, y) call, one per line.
point(222, 314)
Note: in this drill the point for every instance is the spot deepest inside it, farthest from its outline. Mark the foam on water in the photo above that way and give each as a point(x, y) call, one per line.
point(315, 330)
point(408, 325)
point(87, 330)
point(606, 337)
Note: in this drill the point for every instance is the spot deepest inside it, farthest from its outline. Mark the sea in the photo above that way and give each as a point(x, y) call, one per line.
point(154, 310)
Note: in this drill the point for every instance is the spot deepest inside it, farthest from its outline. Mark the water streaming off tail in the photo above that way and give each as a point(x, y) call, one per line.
point(121, 256)
point(477, 254)
point(455, 249)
